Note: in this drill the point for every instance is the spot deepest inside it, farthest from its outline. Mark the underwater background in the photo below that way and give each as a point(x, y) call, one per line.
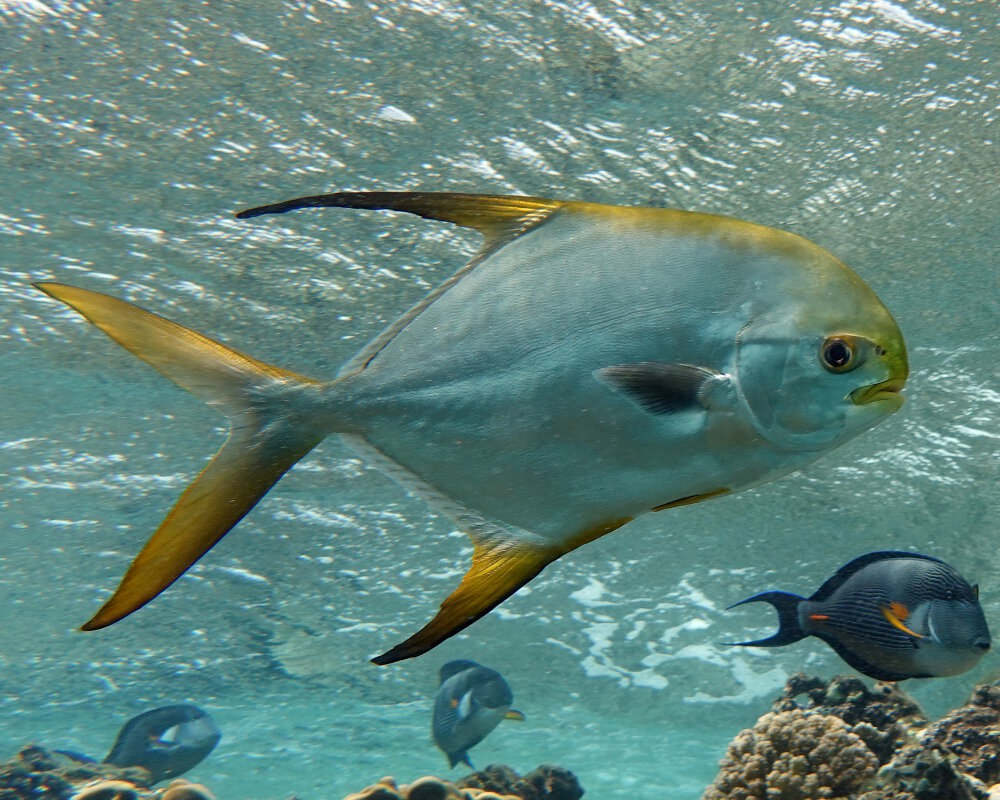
point(129, 134)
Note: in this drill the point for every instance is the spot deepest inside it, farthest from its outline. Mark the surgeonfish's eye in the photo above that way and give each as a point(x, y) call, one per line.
point(838, 354)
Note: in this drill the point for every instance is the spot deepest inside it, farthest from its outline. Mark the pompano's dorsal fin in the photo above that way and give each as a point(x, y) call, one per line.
point(500, 219)
point(842, 575)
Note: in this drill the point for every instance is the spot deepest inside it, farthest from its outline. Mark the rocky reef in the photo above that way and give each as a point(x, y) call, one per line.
point(493, 783)
point(38, 773)
point(843, 741)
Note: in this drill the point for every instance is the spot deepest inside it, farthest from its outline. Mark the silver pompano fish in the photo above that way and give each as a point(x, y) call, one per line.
point(889, 614)
point(590, 364)
point(471, 701)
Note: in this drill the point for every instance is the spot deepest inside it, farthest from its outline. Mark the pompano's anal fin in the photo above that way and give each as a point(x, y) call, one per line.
point(691, 499)
point(267, 436)
point(498, 218)
point(494, 576)
point(498, 570)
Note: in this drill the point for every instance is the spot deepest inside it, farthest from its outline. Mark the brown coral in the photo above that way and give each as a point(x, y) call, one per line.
point(971, 734)
point(794, 755)
point(36, 772)
point(545, 782)
point(493, 783)
point(883, 716)
point(180, 789)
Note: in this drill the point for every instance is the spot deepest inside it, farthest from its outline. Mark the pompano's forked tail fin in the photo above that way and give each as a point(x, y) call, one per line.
point(789, 629)
point(271, 428)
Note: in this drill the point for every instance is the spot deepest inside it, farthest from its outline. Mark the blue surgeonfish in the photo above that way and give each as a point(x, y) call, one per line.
point(167, 741)
point(471, 702)
point(590, 364)
point(891, 615)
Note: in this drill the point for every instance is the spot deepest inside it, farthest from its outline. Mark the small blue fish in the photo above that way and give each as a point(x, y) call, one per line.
point(891, 615)
point(167, 741)
point(470, 703)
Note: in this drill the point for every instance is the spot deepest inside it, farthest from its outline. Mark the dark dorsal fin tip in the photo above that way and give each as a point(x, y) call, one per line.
point(497, 217)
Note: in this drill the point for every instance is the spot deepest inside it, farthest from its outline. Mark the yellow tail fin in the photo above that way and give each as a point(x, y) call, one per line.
point(496, 573)
point(271, 428)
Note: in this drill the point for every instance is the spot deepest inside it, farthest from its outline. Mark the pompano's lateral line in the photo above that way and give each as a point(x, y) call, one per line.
point(541, 430)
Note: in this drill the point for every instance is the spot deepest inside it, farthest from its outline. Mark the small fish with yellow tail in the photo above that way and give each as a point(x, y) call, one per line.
point(590, 364)
point(471, 701)
point(890, 614)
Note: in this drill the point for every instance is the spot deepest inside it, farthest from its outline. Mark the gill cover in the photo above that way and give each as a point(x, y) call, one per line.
point(799, 388)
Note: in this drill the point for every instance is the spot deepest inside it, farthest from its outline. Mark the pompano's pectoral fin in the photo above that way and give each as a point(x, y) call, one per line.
point(514, 715)
point(663, 388)
point(496, 573)
point(498, 218)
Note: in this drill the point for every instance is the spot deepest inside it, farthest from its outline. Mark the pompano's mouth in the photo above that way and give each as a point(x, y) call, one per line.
point(888, 391)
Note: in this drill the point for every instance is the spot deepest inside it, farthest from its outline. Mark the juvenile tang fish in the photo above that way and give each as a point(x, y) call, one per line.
point(590, 364)
point(471, 702)
point(167, 741)
point(891, 615)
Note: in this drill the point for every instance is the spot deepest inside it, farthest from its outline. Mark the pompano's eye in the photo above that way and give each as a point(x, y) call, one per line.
point(838, 354)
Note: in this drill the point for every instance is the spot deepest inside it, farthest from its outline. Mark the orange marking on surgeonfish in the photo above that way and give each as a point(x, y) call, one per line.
point(819, 617)
point(895, 613)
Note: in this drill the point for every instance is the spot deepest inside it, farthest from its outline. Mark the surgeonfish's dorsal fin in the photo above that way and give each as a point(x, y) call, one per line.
point(452, 668)
point(499, 218)
point(842, 575)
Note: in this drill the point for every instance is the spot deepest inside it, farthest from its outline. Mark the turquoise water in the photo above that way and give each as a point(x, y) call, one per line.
point(130, 132)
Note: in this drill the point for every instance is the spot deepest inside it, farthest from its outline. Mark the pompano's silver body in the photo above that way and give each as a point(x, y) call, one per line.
point(499, 372)
point(592, 363)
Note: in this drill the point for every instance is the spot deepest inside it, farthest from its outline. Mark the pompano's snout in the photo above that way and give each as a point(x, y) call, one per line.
point(886, 391)
point(889, 389)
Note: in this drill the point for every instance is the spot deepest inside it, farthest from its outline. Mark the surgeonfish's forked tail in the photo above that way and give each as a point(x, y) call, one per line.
point(789, 629)
point(271, 427)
